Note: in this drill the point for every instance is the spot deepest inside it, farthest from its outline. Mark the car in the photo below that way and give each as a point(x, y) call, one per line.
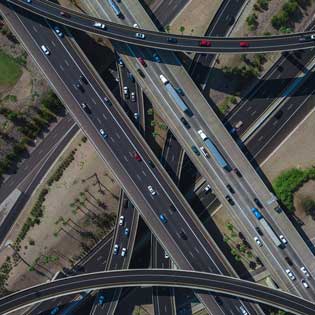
point(55, 310)
point(137, 157)
point(141, 73)
point(103, 133)
point(172, 208)
point(116, 249)
point(126, 91)
point(258, 229)
point(290, 274)
point(307, 37)
point(278, 209)
point(244, 44)
point(28, 1)
point(79, 87)
point(58, 31)
point(121, 220)
point(278, 114)
point(151, 190)
point(305, 272)
point(305, 284)
point(241, 236)
point(258, 241)
point(204, 152)
point(218, 300)
point(180, 91)
point(133, 96)
point(185, 123)
point(45, 50)
point(120, 62)
point(283, 240)
point(142, 61)
point(231, 20)
point(183, 235)
point(136, 116)
point(107, 101)
point(83, 79)
point(151, 164)
point(243, 310)
point(237, 172)
point(288, 260)
point(101, 299)
point(124, 252)
point(166, 255)
point(238, 125)
point(135, 25)
point(131, 77)
point(258, 261)
point(99, 25)
point(205, 43)
point(207, 188)
point(230, 188)
point(172, 40)
point(86, 108)
point(195, 150)
point(125, 203)
point(163, 218)
point(126, 232)
point(156, 57)
point(65, 14)
point(140, 35)
point(230, 200)
point(258, 203)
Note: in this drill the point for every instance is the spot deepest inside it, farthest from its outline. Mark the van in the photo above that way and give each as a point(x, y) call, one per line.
point(204, 152)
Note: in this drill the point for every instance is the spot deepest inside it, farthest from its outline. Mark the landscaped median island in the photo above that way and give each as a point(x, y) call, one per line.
point(72, 209)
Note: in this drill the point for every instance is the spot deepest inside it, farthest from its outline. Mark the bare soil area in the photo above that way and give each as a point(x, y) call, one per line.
point(76, 212)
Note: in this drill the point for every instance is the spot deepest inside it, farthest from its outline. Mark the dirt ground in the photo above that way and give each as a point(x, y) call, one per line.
point(195, 18)
point(86, 190)
point(296, 151)
point(241, 29)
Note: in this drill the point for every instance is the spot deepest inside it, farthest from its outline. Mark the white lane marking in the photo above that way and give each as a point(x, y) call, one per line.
point(117, 135)
point(105, 117)
point(93, 100)
point(67, 62)
point(143, 172)
point(53, 43)
point(125, 158)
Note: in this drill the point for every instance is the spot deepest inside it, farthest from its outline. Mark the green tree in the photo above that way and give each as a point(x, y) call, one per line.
point(182, 29)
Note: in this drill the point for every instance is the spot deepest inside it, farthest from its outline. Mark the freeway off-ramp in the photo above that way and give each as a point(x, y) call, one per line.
point(157, 277)
point(158, 40)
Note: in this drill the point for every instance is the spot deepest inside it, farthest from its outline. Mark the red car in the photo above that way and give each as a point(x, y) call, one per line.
point(244, 44)
point(141, 60)
point(137, 156)
point(205, 43)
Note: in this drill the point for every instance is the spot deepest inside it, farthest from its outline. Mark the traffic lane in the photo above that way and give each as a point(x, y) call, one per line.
point(157, 40)
point(293, 111)
point(269, 88)
point(36, 156)
point(164, 277)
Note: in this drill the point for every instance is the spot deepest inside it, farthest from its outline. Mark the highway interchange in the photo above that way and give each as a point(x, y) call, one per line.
point(100, 114)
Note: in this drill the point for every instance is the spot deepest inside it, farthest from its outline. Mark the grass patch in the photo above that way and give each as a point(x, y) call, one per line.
point(287, 183)
point(10, 70)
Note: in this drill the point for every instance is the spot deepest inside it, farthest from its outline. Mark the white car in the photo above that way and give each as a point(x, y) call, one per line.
point(133, 96)
point(305, 284)
point(140, 35)
point(126, 90)
point(243, 310)
point(166, 256)
point(207, 188)
point(283, 240)
point(103, 133)
point(258, 242)
point(45, 50)
point(116, 249)
point(135, 25)
point(151, 190)
point(304, 270)
point(121, 220)
point(136, 116)
point(290, 274)
point(124, 252)
point(58, 31)
point(99, 25)
point(312, 37)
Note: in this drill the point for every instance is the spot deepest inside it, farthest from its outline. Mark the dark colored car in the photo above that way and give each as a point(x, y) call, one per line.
point(278, 114)
point(86, 108)
point(218, 300)
point(151, 164)
point(185, 123)
point(229, 199)
point(183, 235)
point(241, 236)
point(259, 231)
point(65, 14)
point(230, 188)
point(163, 218)
point(289, 261)
point(172, 40)
point(237, 172)
point(172, 208)
point(141, 73)
point(195, 150)
point(79, 87)
point(258, 203)
point(83, 79)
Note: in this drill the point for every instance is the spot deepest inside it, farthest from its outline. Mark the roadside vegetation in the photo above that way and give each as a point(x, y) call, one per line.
point(10, 69)
point(287, 183)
